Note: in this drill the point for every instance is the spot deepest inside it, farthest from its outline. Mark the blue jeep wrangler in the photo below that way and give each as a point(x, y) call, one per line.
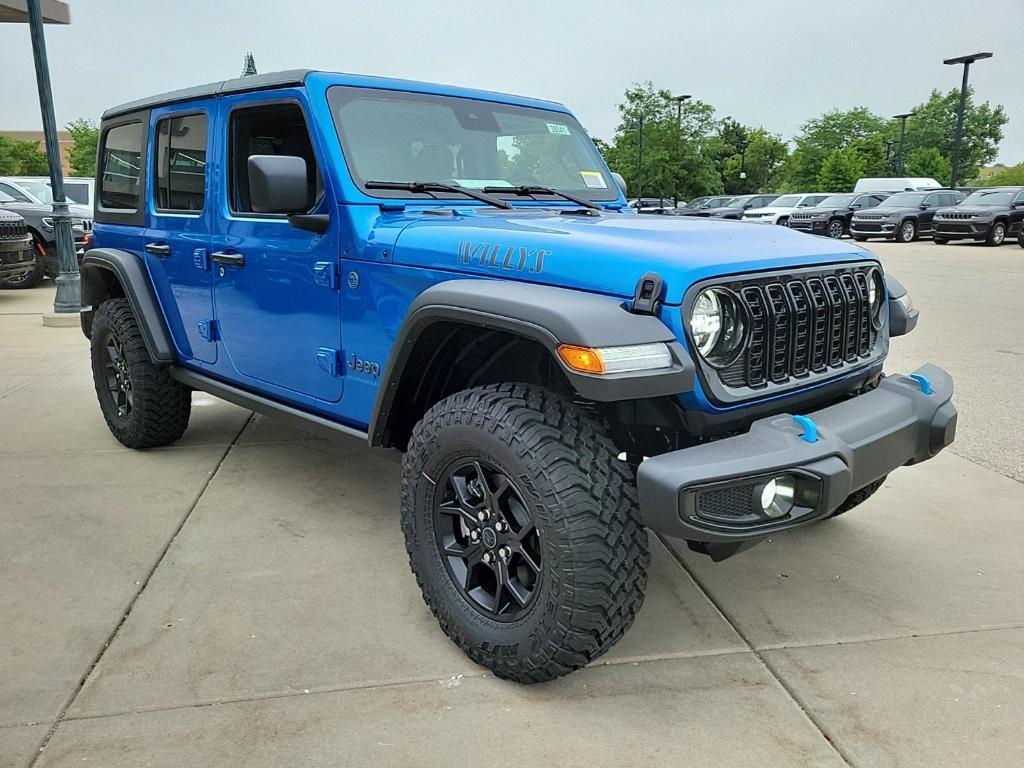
point(455, 275)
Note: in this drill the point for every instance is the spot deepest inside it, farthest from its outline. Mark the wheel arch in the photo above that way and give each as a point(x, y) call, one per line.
point(108, 273)
point(469, 332)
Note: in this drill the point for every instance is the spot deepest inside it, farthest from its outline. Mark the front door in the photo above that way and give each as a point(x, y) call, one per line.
point(177, 236)
point(275, 285)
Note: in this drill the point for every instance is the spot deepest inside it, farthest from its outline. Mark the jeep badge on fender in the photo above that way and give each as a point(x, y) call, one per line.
point(561, 373)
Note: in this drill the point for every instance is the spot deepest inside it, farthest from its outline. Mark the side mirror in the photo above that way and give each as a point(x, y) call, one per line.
point(855, 206)
point(277, 184)
point(1019, 204)
point(748, 205)
point(620, 181)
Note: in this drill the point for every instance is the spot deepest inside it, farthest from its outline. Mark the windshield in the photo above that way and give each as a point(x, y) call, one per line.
point(738, 202)
point(5, 198)
point(836, 201)
point(905, 200)
point(786, 201)
point(40, 190)
point(984, 197)
point(810, 200)
point(397, 136)
point(716, 202)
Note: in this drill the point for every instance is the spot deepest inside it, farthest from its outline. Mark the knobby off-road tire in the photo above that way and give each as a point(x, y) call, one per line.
point(857, 498)
point(143, 406)
point(560, 471)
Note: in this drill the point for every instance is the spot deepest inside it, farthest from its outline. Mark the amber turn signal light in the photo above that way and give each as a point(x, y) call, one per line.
point(583, 359)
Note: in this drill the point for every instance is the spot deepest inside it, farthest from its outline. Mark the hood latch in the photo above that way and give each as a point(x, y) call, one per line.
point(647, 297)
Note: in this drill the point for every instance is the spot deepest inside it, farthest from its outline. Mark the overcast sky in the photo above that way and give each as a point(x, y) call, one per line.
point(765, 63)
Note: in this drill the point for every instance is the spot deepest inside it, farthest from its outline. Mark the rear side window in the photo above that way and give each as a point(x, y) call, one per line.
point(179, 163)
point(273, 129)
point(121, 167)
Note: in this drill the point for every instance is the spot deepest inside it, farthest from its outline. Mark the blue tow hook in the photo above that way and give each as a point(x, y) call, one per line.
point(810, 433)
point(926, 386)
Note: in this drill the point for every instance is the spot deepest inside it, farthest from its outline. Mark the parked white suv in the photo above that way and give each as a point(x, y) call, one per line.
point(780, 209)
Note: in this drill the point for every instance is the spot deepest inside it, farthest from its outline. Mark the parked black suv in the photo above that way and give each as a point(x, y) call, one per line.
point(734, 207)
point(989, 215)
point(903, 216)
point(832, 215)
point(704, 206)
point(16, 256)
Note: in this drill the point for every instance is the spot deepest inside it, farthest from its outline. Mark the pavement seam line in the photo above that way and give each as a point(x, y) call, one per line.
point(62, 715)
point(978, 463)
point(818, 726)
point(36, 378)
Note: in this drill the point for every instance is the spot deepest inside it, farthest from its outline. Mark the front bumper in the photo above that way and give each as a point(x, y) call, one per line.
point(815, 226)
point(16, 258)
point(886, 229)
point(961, 230)
point(709, 493)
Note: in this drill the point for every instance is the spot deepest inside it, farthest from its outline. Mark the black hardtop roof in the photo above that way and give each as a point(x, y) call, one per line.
point(235, 85)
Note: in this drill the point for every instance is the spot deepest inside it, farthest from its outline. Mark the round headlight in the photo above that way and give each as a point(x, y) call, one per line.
point(876, 296)
point(717, 326)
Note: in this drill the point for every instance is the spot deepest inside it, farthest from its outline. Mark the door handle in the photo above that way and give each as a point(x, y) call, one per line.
point(158, 249)
point(231, 259)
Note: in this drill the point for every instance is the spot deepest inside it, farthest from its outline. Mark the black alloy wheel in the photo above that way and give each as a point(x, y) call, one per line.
point(487, 539)
point(118, 376)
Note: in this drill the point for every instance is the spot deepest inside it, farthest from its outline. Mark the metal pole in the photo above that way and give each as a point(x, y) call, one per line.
point(69, 296)
point(899, 152)
point(640, 167)
point(959, 127)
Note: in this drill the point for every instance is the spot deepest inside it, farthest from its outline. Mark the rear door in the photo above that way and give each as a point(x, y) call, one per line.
point(275, 285)
point(177, 237)
point(934, 201)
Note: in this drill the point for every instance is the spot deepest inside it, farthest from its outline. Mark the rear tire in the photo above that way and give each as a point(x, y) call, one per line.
point(33, 278)
point(857, 498)
point(547, 479)
point(143, 406)
point(907, 233)
point(996, 234)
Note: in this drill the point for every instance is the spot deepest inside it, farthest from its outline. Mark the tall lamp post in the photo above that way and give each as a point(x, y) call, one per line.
point(903, 130)
point(679, 124)
point(68, 298)
point(638, 125)
point(966, 61)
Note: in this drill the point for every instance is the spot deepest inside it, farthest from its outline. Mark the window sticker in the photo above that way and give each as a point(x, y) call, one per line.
point(561, 130)
point(594, 179)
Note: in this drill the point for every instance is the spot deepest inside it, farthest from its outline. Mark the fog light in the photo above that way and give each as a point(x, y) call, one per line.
point(777, 496)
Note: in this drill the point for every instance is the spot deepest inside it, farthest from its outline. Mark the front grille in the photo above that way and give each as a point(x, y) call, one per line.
point(800, 216)
point(961, 228)
point(870, 217)
point(800, 325)
point(755, 215)
point(862, 226)
point(954, 216)
point(13, 230)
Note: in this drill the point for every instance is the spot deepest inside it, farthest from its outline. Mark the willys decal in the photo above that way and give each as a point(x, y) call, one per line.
point(514, 258)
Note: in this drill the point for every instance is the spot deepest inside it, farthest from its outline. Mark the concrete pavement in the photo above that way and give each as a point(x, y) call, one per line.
point(243, 598)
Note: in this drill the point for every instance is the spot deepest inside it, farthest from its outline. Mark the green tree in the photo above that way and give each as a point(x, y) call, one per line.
point(1007, 177)
point(22, 158)
point(933, 124)
point(85, 140)
point(840, 170)
point(680, 145)
point(761, 161)
point(821, 137)
point(930, 163)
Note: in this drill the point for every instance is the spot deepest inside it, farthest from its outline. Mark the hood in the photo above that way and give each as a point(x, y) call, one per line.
point(821, 211)
point(890, 209)
point(606, 253)
point(45, 209)
point(986, 210)
point(775, 209)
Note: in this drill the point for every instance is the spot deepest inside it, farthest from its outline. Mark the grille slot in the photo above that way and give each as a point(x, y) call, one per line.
point(13, 230)
point(802, 324)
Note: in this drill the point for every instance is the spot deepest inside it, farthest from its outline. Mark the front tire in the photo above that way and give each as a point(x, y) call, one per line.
point(996, 234)
point(907, 233)
point(835, 229)
point(522, 530)
point(142, 405)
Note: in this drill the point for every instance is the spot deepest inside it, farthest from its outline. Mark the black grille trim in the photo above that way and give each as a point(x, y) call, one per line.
point(804, 326)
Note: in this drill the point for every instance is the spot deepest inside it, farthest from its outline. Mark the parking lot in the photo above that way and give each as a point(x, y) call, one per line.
point(243, 598)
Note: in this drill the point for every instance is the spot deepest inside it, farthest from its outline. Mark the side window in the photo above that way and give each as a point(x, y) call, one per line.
point(274, 129)
point(1019, 198)
point(179, 163)
point(934, 200)
point(121, 167)
point(17, 194)
point(865, 201)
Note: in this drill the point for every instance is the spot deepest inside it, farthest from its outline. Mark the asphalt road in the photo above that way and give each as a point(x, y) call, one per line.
point(243, 598)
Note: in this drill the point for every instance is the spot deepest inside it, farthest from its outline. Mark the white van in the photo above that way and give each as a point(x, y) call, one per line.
point(899, 184)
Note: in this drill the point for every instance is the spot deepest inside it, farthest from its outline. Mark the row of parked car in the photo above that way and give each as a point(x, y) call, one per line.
point(27, 204)
point(991, 215)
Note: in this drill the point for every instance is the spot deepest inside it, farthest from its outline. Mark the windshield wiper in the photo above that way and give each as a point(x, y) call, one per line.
point(438, 186)
point(534, 190)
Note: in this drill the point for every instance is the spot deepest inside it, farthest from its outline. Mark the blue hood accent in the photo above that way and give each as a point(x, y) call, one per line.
point(606, 253)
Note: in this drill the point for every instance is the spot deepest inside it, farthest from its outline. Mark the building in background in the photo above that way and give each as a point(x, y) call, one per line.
point(63, 137)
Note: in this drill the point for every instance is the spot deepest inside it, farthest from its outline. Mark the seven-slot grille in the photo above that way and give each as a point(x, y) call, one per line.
point(954, 215)
point(13, 230)
point(801, 325)
point(870, 216)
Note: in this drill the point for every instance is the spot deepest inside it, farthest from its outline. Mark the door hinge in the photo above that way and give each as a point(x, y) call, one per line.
point(327, 274)
point(330, 360)
point(201, 259)
point(209, 330)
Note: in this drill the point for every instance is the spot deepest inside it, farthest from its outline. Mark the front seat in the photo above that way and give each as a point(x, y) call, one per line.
point(434, 162)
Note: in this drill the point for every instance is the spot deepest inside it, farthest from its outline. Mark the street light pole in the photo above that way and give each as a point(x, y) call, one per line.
point(69, 296)
point(640, 164)
point(903, 130)
point(966, 61)
point(679, 107)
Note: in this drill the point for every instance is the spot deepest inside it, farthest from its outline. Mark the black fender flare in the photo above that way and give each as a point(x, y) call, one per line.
point(903, 316)
point(549, 316)
point(101, 264)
